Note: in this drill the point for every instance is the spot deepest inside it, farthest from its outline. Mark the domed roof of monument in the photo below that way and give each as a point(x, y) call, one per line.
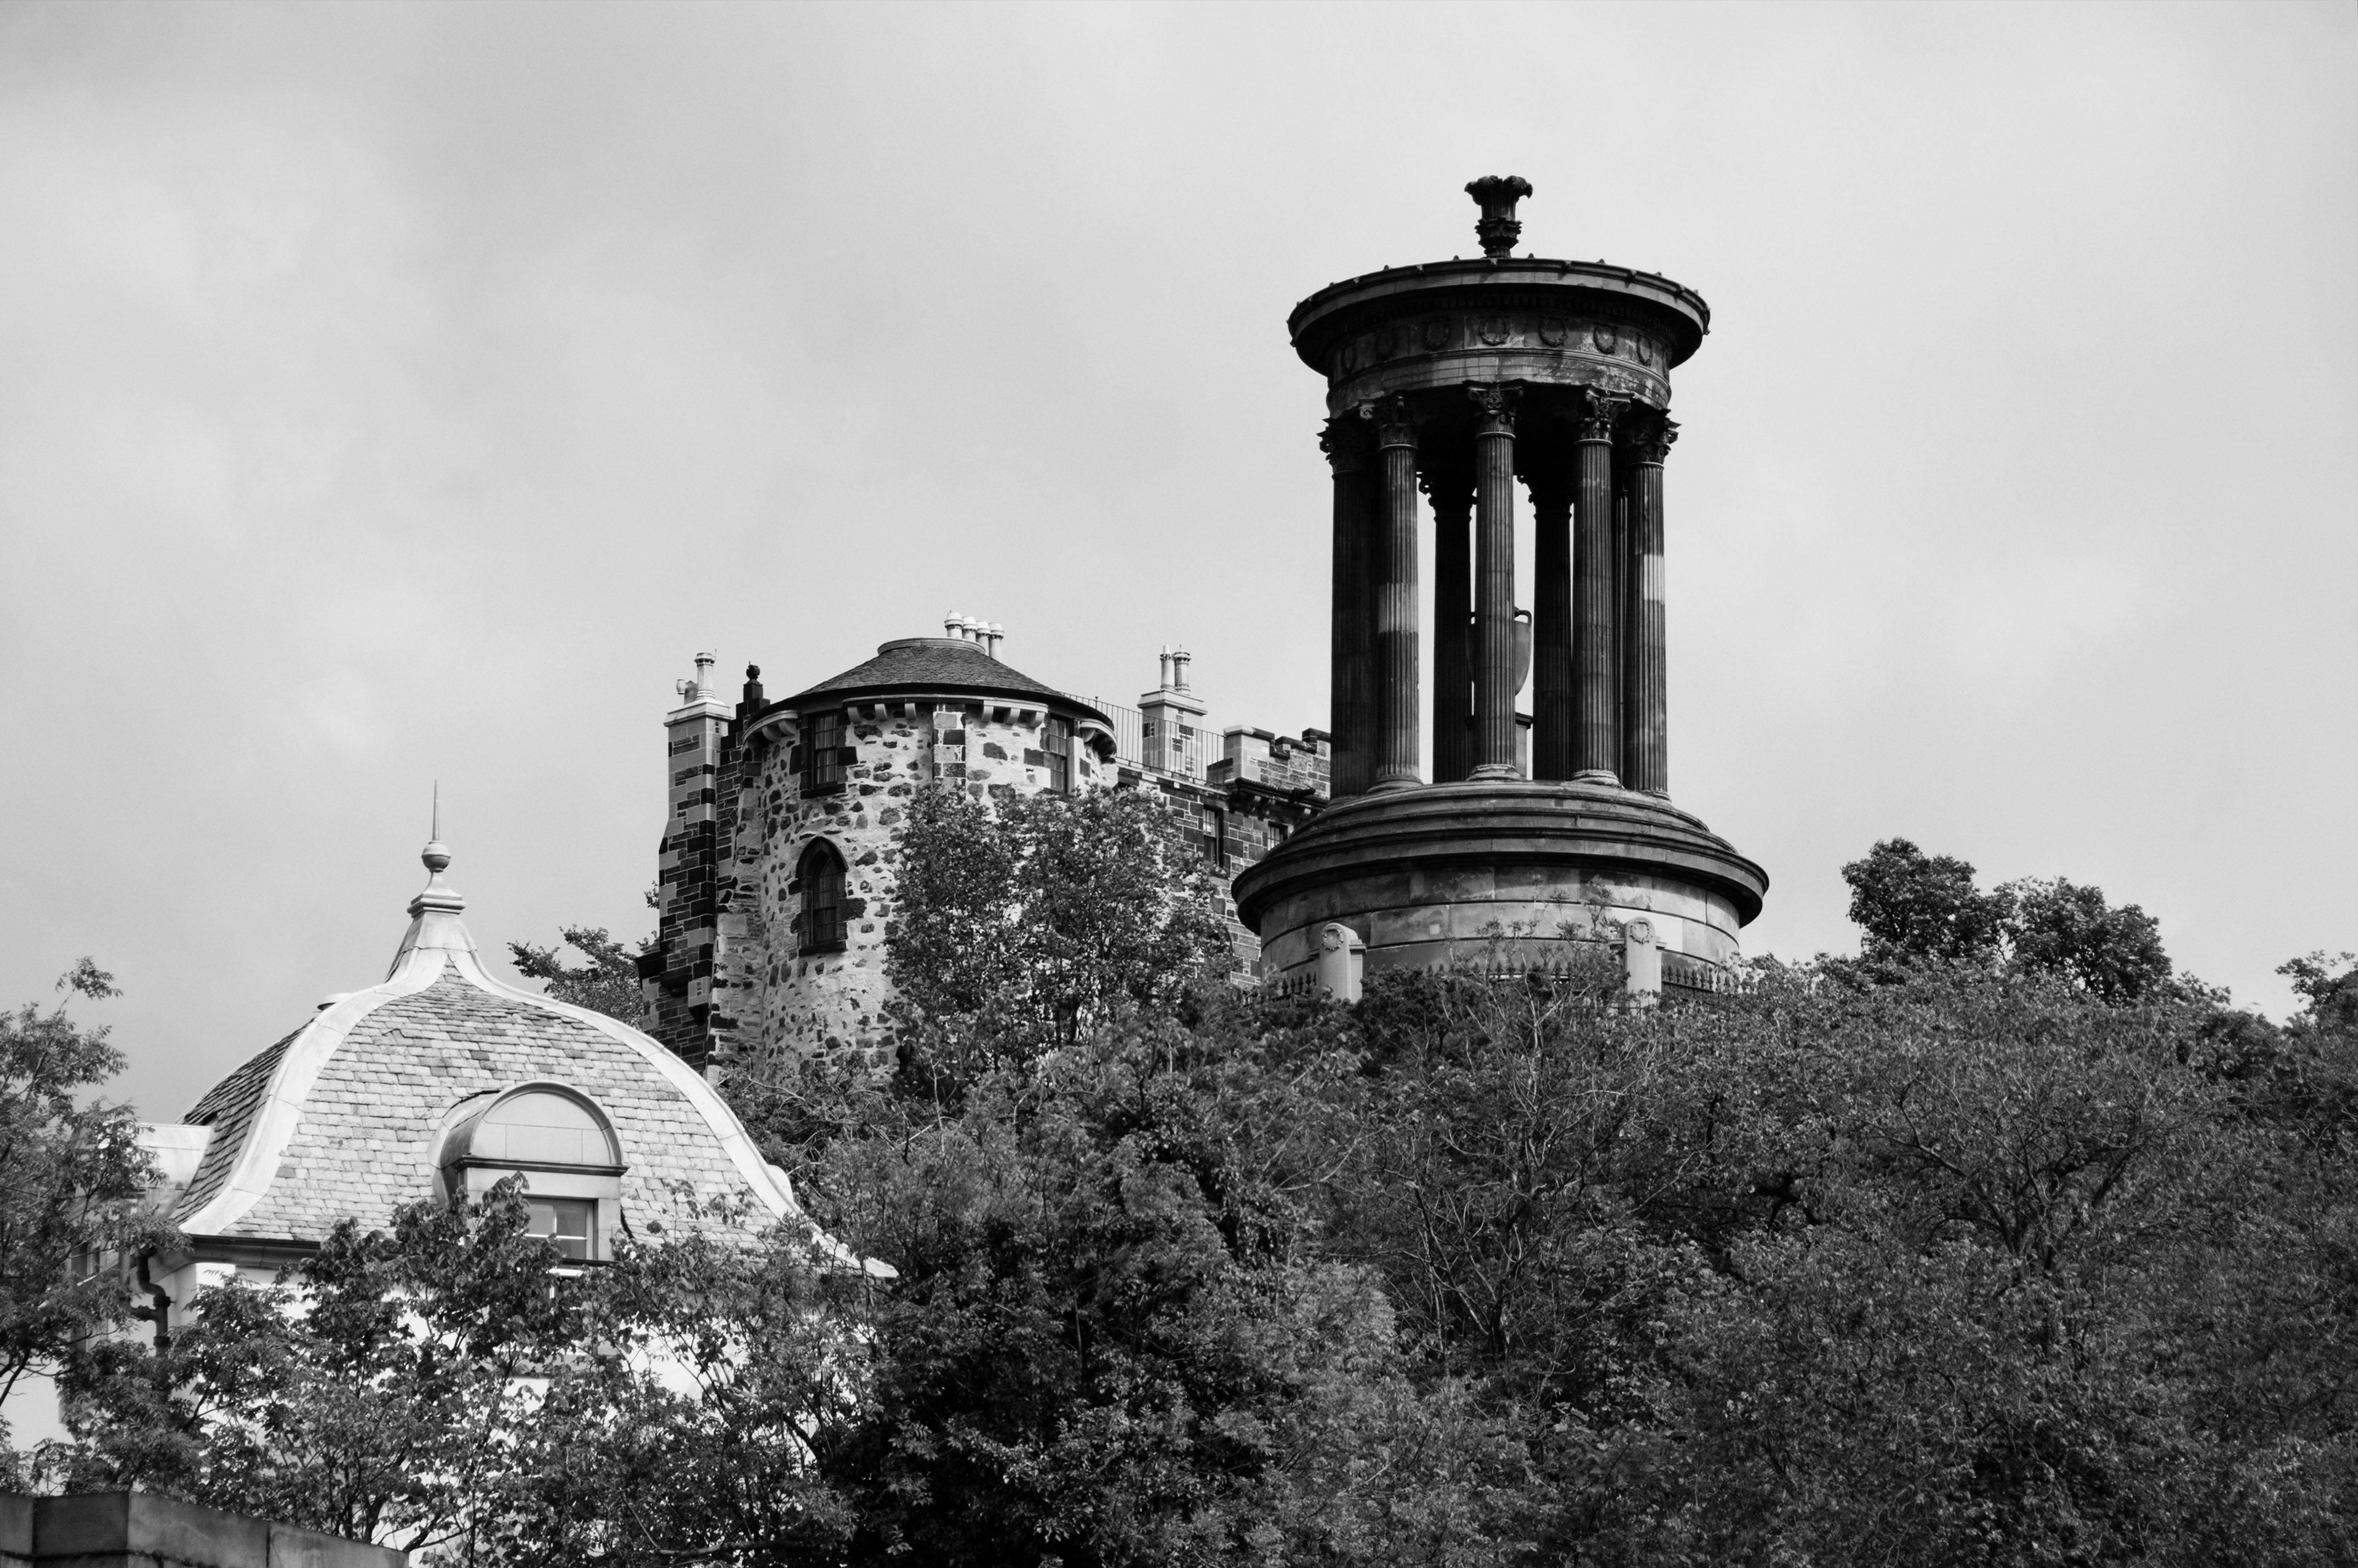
point(949, 665)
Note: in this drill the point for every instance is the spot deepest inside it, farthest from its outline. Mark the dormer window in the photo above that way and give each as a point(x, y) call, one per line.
point(561, 1144)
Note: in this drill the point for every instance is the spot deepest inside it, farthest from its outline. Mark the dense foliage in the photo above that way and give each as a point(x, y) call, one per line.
point(1915, 909)
point(453, 1387)
point(1031, 922)
point(1964, 1254)
point(71, 1175)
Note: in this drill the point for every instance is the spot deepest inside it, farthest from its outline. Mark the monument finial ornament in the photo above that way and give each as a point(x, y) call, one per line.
point(1498, 228)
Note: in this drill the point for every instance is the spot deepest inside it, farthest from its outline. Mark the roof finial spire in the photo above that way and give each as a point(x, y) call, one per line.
point(434, 913)
point(438, 894)
point(1498, 228)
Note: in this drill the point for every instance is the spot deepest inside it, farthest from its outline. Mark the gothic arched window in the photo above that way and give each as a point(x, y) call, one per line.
point(820, 876)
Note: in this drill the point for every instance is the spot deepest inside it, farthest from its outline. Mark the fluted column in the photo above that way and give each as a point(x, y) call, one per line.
point(1623, 615)
point(1649, 728)
point(1494, 583)
point(1552, 620)
point(1450, 486)
point(1351, 692)
point(1395, 607)
point(1596, 743)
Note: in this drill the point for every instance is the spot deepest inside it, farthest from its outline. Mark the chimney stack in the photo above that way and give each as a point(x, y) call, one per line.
point(699, 688)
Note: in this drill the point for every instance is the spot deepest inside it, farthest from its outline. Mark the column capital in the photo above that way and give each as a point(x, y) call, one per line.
point(1494, 402)
point(1349, 446)
point(1652, 439)
point(1597, 417)
point(1395, 426)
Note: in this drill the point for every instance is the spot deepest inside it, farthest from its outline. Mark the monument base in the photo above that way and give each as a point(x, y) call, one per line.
point(1503, 872)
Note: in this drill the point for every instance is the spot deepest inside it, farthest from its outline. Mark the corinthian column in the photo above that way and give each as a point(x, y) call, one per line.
point(1449, 484)
point(1395, 607)
point(1551, 693)
point(1596, 740)
point(1351, 692)
point(1648, 686)
point(1494, 583)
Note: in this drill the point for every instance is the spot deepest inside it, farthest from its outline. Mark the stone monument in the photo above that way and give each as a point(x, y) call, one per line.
point(1459, 379)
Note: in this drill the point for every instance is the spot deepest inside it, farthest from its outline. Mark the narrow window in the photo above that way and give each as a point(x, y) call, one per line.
point(565, 1221)
point(1058, 744)
point(823, 752)
point(822, 882)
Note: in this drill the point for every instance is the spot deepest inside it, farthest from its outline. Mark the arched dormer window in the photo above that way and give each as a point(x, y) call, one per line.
point(560, 1143)
point(820, 877)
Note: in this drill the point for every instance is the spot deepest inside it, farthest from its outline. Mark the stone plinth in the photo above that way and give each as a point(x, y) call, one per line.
point(1463, 872)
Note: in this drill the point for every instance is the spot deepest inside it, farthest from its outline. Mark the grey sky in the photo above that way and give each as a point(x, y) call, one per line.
point(405, 393)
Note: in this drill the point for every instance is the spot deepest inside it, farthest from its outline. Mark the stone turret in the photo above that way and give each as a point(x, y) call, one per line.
point(773, 948)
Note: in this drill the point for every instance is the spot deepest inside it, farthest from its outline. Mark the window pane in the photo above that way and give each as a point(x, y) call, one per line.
point(823, 751)
point(565, 1221)
point(822, 886)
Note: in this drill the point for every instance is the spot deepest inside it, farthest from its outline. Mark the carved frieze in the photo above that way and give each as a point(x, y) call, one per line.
point(1538, 346)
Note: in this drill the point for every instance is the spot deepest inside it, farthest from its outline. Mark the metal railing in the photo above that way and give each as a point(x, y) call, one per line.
point(1129, 739)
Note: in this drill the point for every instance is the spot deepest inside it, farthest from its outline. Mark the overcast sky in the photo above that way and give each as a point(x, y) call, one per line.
point(398, 393)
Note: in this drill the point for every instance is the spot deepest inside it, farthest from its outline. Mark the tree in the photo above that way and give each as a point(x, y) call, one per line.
point(452, 1386)
point(608, 983)
point(1108, 1344)
point(71, 1178)
point(1914, 906)
point(377, 1397)
point(1032, 922)
point(2061, 928)
point(2329, 989)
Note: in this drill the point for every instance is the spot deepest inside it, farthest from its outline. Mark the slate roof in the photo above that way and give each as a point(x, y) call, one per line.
point(228, 1108)
point(949, 665)
point(343, 1118)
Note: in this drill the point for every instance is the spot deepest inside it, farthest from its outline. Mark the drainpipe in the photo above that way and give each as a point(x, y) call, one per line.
point(161, 1313)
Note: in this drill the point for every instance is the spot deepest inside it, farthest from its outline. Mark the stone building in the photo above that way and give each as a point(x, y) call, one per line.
point(777, 867)
point(439, 1081)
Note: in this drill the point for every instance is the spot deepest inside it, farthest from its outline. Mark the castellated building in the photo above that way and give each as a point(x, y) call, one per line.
point(778, 861)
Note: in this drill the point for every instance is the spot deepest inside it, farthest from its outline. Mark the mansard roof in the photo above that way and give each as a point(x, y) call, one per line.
point(344, 1117)
point(949, 666)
